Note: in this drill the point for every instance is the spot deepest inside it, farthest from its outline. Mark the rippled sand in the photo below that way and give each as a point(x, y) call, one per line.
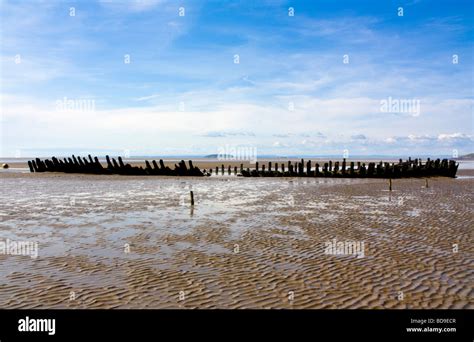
point(248, 243)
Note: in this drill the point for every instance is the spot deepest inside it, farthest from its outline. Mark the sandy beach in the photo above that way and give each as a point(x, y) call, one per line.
point(136, 242)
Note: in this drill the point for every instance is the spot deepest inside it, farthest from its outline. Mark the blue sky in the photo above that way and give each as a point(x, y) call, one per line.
point(291, 91)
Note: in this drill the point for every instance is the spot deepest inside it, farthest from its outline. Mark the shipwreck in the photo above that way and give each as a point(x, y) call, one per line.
point(402, 169)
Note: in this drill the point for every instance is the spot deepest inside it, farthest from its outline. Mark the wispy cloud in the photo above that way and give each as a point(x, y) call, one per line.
point(132, 5)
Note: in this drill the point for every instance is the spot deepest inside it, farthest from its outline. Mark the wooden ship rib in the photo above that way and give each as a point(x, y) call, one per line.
point(402, 169)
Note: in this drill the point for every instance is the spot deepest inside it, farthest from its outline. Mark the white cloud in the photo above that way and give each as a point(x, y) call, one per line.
point(454, 136)
point(345, 122)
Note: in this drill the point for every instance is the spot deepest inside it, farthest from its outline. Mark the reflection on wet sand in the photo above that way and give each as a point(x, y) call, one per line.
point(131, 242)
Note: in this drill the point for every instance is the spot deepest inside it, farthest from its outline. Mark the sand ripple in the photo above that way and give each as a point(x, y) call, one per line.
point(248, 243)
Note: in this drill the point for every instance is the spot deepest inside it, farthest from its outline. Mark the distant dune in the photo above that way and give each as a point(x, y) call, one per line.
point(469, 156)
point(214, 156)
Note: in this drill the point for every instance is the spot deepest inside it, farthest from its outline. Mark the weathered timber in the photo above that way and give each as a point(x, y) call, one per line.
point(402, 169)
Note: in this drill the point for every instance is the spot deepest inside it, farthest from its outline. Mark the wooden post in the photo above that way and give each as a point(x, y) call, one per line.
point(79, 160)
point(109, 164)
point(97, 163)
point(148, 166)
point(57, 164)
point(390, 184)
point(35, 165)
point(43, 165)
point(155, 166)
point(116, 166)
point(380, 168)
point(371, 169)
point(162, 164)
point(49, 165)
point(426, 183)
point(122, 165)
point(192, 198)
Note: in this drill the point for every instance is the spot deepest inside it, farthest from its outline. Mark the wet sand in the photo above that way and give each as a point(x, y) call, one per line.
point(136, 242)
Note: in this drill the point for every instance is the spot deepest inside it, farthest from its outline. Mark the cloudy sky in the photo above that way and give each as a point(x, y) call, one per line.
point(191, 77)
